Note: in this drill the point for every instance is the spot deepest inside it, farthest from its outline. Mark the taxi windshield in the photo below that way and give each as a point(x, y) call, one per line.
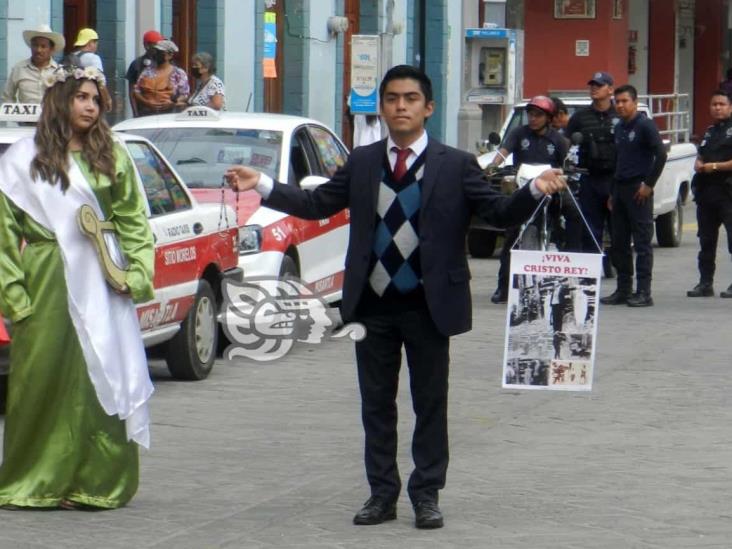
point(202, 155)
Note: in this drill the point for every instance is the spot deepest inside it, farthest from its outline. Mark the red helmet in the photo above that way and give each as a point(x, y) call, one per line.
point(543, 103)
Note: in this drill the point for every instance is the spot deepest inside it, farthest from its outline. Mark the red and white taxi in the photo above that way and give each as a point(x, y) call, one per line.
point(195, 248)
point(202, 143)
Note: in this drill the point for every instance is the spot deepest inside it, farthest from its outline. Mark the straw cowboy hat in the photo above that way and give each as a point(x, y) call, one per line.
point(44, 31)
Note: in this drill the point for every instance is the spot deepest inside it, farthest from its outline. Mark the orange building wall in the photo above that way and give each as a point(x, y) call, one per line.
point(549, 47)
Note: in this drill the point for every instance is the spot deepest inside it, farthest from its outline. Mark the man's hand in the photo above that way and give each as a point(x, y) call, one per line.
point(550, 181)
point(698, 165)
point(643, 193)
point(241, 178)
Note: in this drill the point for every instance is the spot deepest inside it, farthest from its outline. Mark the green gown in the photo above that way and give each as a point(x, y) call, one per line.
point(59, 444)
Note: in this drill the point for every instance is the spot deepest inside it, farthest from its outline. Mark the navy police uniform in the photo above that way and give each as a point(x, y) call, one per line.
point(713, 196)
point(641, 156)
point(597, 155)
point(527, 147)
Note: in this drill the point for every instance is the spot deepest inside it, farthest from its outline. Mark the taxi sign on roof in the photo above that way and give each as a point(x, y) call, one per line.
point(20, 112)
point(198, 113)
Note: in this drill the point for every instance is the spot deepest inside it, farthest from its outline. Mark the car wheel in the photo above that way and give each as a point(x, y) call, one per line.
point(192, 352)
point(288, 267)
point(481, 242)
point(669, 227)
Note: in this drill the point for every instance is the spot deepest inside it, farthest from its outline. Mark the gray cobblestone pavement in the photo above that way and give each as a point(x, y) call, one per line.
point(270, 455)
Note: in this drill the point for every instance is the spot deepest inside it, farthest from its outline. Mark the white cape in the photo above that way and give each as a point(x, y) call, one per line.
point(105, 322)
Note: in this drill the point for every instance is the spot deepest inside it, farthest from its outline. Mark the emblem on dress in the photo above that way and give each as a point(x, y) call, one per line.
point(550, 148)
point(525, 144)
point(631, 135)
point(729, 132)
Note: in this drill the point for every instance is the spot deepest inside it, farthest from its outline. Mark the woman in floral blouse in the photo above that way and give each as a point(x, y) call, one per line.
point(209, 91)
point(162, 87)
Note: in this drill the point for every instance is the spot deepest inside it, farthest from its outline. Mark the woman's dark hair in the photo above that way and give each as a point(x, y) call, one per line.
point(559, 106)
point(400, 72)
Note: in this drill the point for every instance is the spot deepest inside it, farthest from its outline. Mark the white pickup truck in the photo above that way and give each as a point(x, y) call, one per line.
point(671, 190)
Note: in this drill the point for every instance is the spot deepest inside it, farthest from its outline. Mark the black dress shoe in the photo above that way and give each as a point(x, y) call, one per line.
point(427, 515)
point(500, 295)
point(375, 511)
point(618, 297)
point(640, 299)
point(726, 293)
point(703, 289)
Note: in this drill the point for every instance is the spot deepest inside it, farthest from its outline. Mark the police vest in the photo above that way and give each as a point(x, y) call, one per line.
point(597, 152)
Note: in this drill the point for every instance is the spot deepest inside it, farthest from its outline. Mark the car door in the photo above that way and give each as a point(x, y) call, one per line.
point(323, 245)
point(174, 226)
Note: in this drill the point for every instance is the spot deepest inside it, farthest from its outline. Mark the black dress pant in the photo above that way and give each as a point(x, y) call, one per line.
point(632, 220)
point(504, 269)
point(378, 359)
point(713, 208)
point(593, 194)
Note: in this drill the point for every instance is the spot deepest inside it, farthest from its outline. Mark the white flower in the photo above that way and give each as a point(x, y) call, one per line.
point(91, 73)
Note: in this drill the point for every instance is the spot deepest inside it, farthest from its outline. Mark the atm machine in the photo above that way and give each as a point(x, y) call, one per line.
point(494, 73)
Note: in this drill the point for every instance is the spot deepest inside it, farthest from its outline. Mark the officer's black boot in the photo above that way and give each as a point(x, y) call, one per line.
point(703, 289)
point(500, 295)
point(726, 293)
point(618, 297)
point(642, 298)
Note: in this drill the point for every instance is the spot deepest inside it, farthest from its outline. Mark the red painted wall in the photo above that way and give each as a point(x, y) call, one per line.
point(549, 47)
point(708, 69)
point(661, 47)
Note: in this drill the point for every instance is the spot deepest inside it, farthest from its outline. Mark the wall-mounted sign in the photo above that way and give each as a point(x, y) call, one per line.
point(574, 9)
point(582, 48)
point(364, 96)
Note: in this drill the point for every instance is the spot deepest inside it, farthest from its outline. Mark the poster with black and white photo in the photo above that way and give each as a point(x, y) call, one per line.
point(551, 320)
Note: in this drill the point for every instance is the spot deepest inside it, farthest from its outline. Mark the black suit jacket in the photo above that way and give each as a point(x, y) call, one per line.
point(453, 188)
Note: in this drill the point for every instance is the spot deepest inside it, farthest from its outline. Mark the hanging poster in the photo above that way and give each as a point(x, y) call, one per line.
point(364, 97)
point(269, 67)
point(551, 320)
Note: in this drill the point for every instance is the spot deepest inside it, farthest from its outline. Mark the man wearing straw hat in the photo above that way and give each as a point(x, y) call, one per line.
point(25, 82)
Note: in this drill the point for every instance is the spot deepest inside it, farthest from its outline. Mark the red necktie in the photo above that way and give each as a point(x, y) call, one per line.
point(400, 167)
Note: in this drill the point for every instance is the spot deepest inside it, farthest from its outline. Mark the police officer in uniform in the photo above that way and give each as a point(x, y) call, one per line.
point(641, 156)
point(535, 143)
point(597, 155)
point(712, 187)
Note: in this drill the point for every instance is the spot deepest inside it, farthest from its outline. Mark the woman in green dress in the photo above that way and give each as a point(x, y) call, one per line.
point(78, 384)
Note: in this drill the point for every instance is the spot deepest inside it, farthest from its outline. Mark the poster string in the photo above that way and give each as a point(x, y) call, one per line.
point(540, 206)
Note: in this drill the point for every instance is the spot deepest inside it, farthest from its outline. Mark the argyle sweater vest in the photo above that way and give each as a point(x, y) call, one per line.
point(395, 269)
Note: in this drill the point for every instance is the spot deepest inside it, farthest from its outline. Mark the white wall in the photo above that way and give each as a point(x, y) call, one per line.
point(454, 75)
point(239, 22)
point(24, 15)
point(399, 45)
point(322, 69)
point(685, 54)
point(638, 21)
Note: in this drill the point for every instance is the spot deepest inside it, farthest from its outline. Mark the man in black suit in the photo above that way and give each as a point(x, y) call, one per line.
point(406, 277)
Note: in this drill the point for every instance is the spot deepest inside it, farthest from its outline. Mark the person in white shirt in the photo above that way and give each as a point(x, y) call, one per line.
point(25, 81)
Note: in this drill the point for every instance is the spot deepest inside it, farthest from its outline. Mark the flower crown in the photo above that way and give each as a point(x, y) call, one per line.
point(63, 72)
